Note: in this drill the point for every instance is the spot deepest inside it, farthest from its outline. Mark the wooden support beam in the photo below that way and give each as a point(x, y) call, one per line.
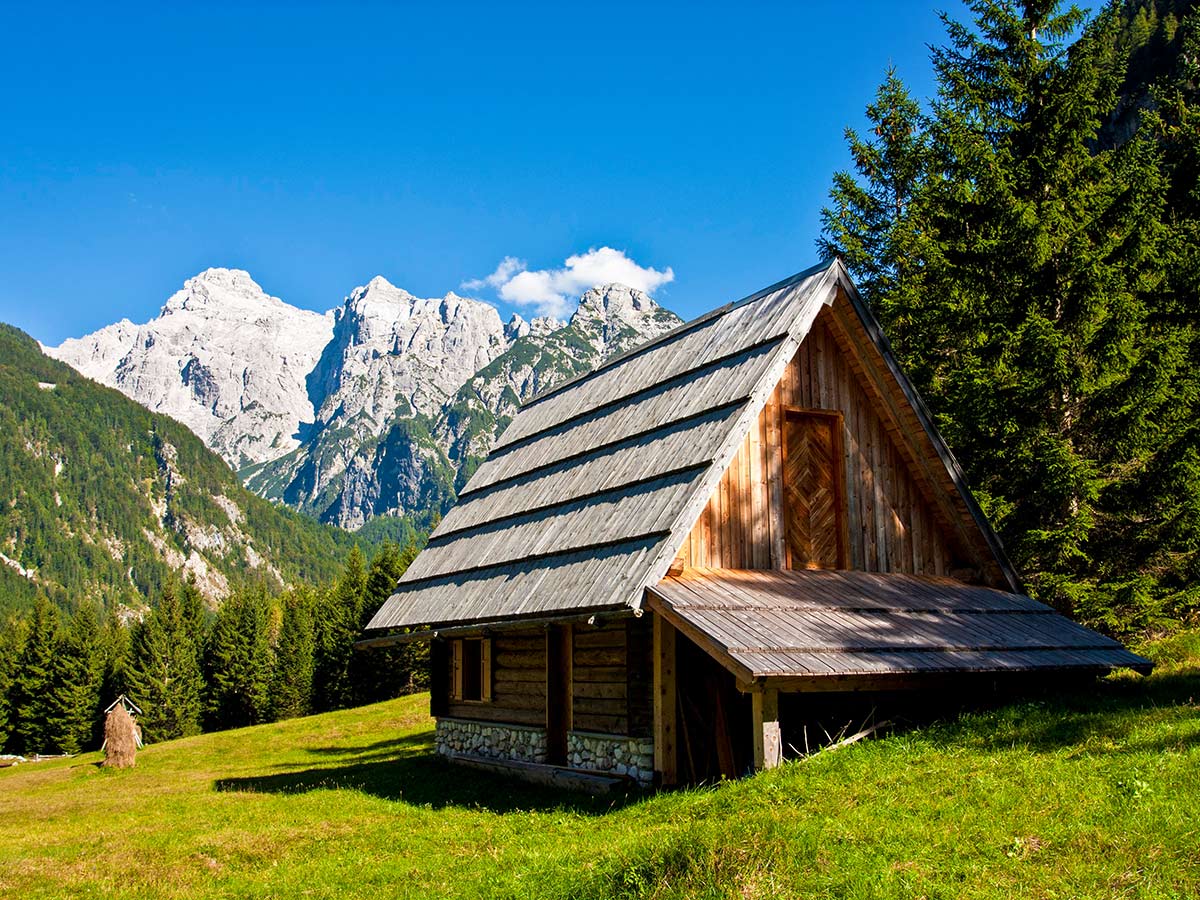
point(665, 719)
point(768, 742)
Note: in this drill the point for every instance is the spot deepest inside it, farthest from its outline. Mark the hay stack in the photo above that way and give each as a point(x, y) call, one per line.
point(120, 738)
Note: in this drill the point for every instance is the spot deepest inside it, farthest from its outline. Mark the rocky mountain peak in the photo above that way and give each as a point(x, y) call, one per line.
point(392, 350)
point(609, 315)
point(378, 408)
point(538, 326)
point(223, 357)
point(222, 291)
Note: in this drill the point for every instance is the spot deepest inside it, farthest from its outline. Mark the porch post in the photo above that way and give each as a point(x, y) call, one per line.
point(768, 744)
point(664, 702)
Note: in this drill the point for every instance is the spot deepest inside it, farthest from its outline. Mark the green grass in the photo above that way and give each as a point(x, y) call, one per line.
point(1092, 795)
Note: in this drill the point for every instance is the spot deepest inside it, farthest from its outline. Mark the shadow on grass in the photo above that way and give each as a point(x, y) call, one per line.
point(1113, 716)
point(405, 769)
point(1102, 718)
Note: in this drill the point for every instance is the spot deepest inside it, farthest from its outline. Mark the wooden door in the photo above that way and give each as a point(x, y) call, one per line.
point(814, 487)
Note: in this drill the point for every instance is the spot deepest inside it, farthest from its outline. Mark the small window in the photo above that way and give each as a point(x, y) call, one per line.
point(473, 670)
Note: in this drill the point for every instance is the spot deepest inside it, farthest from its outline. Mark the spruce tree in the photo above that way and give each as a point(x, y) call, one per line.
point(163, 674)
point(1047, 248)
point(292, 678)
point(1155, 543)
point(1031, 330)
point(872, 223)
point(11, 642)
point(383, 673)
point(339, 621)
point(237, 662)
point(32, 680)
point(77, 674)
point(115, 644)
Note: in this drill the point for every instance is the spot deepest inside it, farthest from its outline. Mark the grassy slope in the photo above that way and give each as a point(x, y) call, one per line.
point(1093, 796)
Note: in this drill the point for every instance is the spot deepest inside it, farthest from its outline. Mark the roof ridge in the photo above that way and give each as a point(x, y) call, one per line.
point(679, 330)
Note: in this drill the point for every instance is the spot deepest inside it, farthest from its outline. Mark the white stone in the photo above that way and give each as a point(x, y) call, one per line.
point(222, 357)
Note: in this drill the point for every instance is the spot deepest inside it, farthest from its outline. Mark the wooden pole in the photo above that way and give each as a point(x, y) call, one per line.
point(665, 724)
point(768, 744)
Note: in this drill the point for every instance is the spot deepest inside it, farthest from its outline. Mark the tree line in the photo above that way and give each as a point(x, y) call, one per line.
point(258, 658)
point(1029, 238)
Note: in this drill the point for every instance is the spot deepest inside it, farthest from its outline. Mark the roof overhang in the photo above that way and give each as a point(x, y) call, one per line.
point(841, 630)
point(452, 630)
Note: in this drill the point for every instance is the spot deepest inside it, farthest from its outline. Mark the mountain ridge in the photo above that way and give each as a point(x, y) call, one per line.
point(107, 500)
point(382, 406)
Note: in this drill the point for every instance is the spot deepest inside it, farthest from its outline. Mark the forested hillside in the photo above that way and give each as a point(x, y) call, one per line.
point(262, 657)
point(1030, 239)
point(105, 500)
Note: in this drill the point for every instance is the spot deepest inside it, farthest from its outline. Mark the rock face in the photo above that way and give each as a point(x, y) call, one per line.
point(383, 407)
point(222, 357)
point(609, 320)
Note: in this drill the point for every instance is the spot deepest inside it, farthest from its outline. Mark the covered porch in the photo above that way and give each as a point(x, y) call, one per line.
point(773, 635)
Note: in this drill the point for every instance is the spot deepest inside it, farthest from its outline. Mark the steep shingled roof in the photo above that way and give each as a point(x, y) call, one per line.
point(592, 489)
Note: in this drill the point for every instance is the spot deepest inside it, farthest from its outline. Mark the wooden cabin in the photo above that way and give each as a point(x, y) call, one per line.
point(665, 561)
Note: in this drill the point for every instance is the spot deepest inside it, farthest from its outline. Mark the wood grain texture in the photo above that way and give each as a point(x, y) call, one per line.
point(875, 515)
point(827, 623)
point(518, 682)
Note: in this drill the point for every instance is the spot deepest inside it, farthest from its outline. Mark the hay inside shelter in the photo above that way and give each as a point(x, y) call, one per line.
point(121, 735)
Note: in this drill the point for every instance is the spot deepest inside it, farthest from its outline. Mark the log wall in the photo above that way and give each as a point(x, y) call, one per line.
point(611, 674)
point(611, 677)
point(518, 681)
point(893, 527)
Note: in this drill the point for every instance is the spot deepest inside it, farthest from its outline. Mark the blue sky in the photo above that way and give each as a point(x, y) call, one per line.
point(317, 145)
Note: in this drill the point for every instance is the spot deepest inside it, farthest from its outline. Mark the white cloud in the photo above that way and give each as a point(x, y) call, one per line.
point(508, 267)
point(551, 291)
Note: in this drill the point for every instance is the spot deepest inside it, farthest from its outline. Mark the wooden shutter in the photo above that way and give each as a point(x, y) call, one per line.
point(814, 485)
point(457, 682)
point(485, 670)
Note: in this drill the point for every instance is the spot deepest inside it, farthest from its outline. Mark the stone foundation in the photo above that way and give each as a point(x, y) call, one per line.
point(611, 754)
point(617, 755)
point(491, 740)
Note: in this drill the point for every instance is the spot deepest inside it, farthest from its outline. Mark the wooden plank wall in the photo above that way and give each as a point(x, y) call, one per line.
point(640, 680)
point(892, 524)
point(600, 679)
point(518, 681)
point(611, 678)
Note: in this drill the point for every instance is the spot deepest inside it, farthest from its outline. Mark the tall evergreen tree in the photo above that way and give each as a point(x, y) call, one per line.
point(1157, 521)
point(338, 622)
point(1031, 328)
point(238, 662)
point(872, 224)
point(389, 672)
point(292, 678)
point(115, 644)
point(32, 679)
point(163, 675)
point(11, 643)
point(76, 676)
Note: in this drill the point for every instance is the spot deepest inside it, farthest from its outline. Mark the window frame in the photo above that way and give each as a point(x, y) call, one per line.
point(458, 651)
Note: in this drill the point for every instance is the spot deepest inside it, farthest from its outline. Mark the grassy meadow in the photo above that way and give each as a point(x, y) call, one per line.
point(1093, 795)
